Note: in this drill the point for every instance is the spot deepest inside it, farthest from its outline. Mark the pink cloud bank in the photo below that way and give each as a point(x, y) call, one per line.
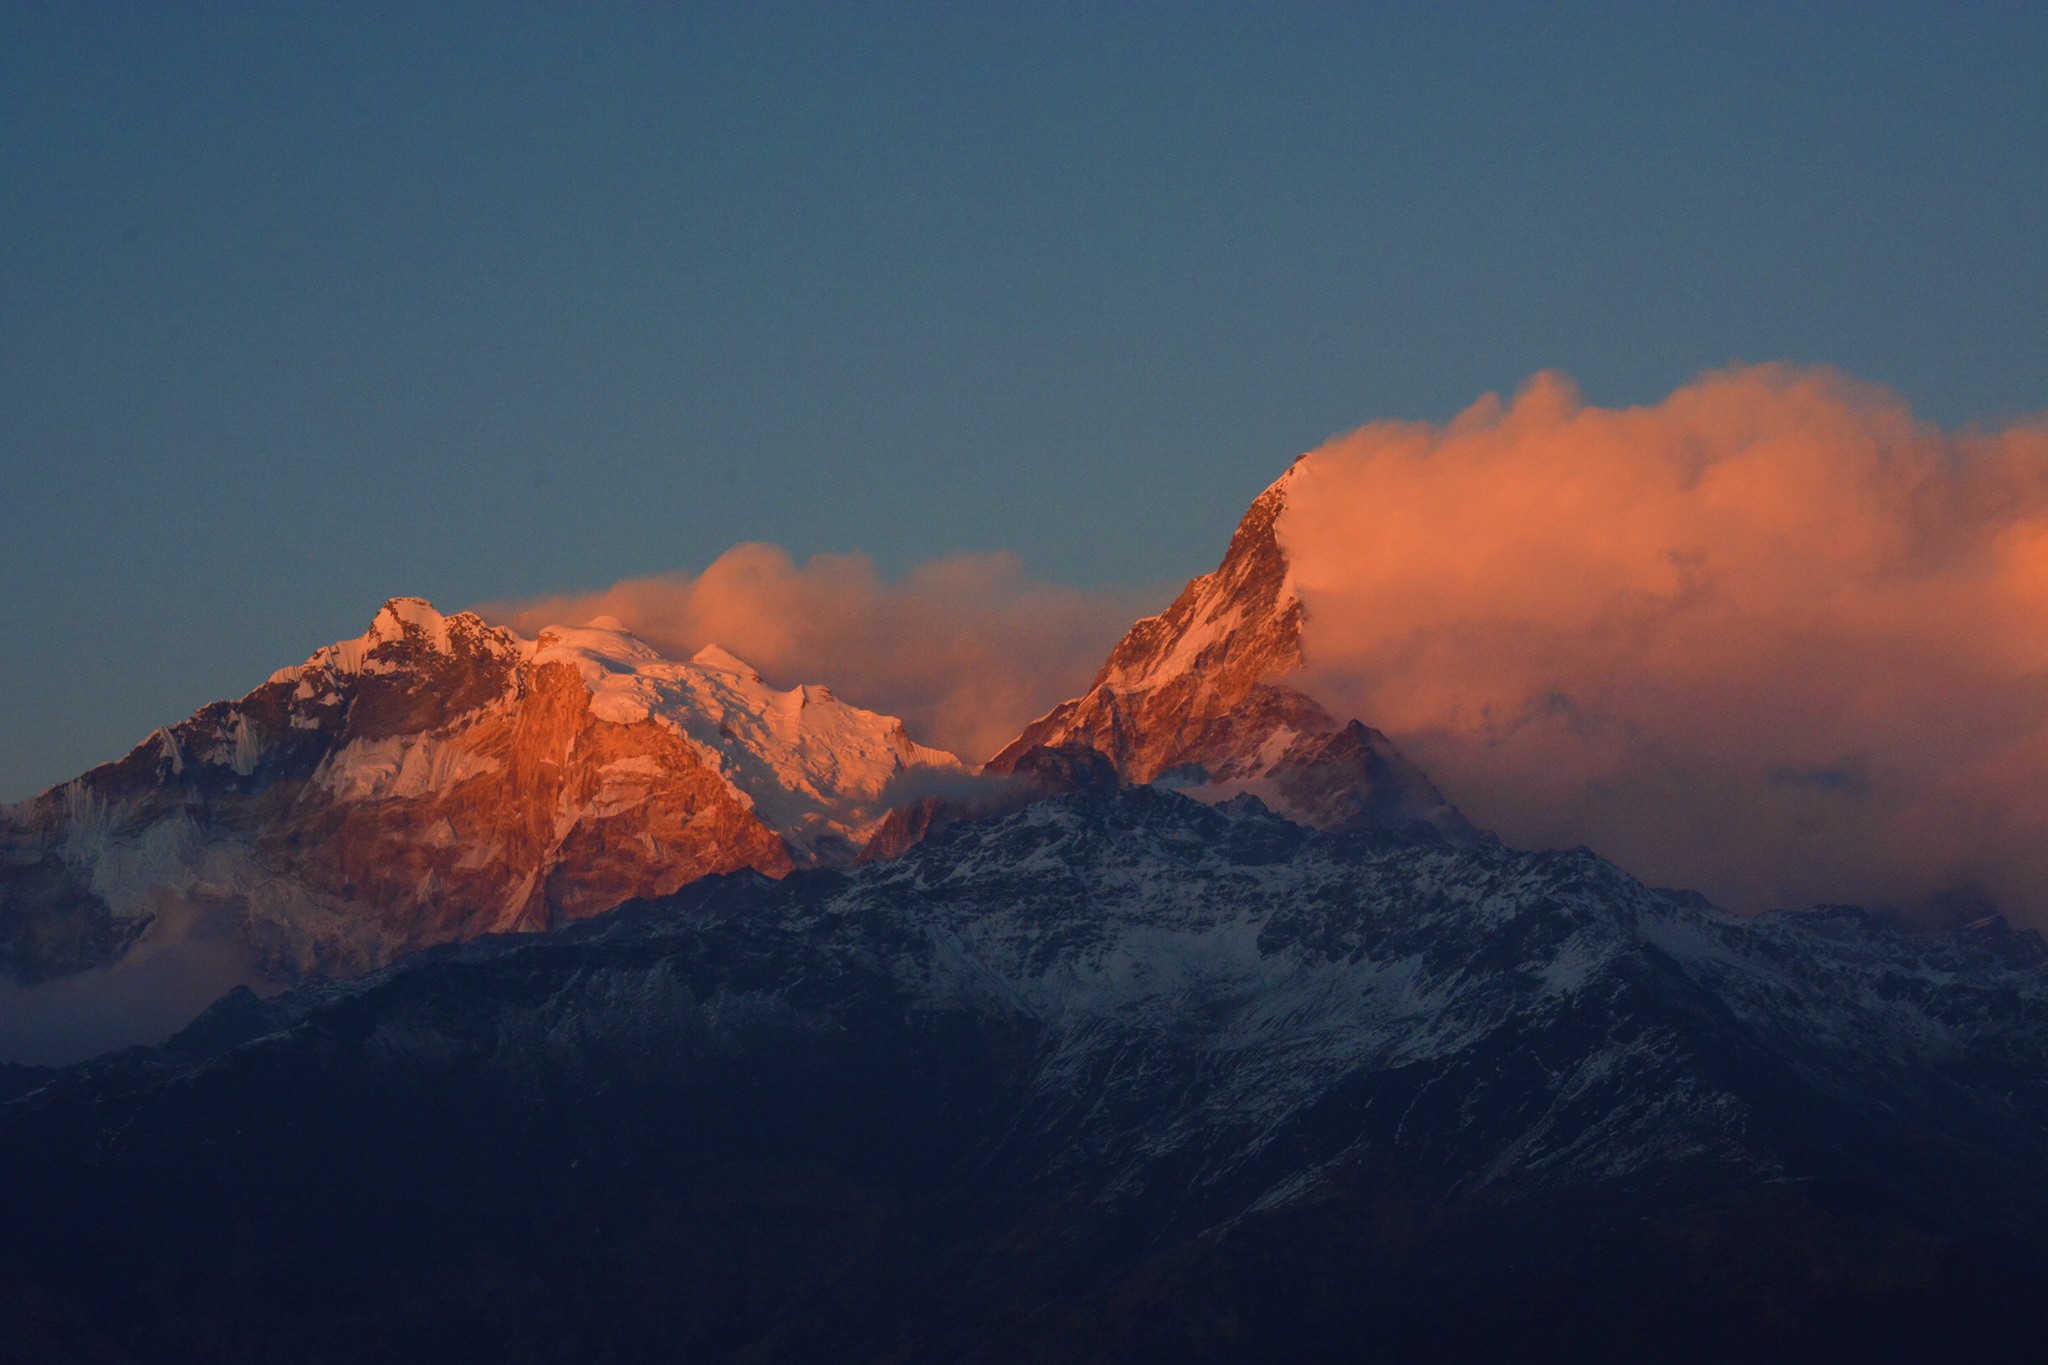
point(1773, 637)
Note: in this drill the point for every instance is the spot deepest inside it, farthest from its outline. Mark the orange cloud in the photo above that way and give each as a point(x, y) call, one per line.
point(967, 650)
point(1773, 637)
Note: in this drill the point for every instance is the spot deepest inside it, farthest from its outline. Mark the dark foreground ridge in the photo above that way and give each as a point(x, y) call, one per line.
point(1114, 1077)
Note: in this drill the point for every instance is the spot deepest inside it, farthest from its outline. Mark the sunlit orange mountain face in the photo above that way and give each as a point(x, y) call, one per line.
point(438, 778)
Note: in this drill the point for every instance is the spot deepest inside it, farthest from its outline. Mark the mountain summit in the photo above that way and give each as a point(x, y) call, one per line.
point(437, 778)
point(1192, 698)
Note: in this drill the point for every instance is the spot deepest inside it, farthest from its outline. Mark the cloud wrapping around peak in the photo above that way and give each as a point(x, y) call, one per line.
point(1773, 637)
point(967, 650)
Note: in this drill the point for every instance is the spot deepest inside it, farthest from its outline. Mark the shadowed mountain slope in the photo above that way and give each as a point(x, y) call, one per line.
point(1117, 1076)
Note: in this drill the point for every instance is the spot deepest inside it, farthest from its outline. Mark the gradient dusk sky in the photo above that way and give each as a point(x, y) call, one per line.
point(302, 307)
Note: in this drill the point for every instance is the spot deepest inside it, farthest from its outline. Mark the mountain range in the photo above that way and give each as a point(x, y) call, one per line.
point(642, 1010)
point(438, 777)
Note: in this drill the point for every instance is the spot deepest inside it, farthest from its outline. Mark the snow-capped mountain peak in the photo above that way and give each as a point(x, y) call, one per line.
point(1193, 697)
point(814, 767)
point(1228, 629)
point(406, 630)
point(438, 777)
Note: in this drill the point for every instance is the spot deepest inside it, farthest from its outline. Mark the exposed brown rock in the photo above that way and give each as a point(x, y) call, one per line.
point(1193, 696)
point(1193, 684)
point(528, 845)
point(535, 812)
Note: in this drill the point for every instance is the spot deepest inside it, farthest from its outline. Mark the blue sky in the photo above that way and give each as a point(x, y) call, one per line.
point(301, 307)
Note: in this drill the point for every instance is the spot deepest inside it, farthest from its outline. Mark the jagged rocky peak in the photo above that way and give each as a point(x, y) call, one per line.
point(408, 632)
point(413, 619)
point(1194, 698)
point(1228, 630)
point(1224, 637)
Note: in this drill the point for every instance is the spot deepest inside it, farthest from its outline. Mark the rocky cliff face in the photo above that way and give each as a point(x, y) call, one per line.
point(1194, 697)
point(439, 778)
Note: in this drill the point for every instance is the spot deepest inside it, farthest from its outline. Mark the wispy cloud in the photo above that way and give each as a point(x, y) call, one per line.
point(967, 650)
point(191, 955)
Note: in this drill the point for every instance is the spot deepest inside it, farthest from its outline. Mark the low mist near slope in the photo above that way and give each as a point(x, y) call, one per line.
point(192, 953)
